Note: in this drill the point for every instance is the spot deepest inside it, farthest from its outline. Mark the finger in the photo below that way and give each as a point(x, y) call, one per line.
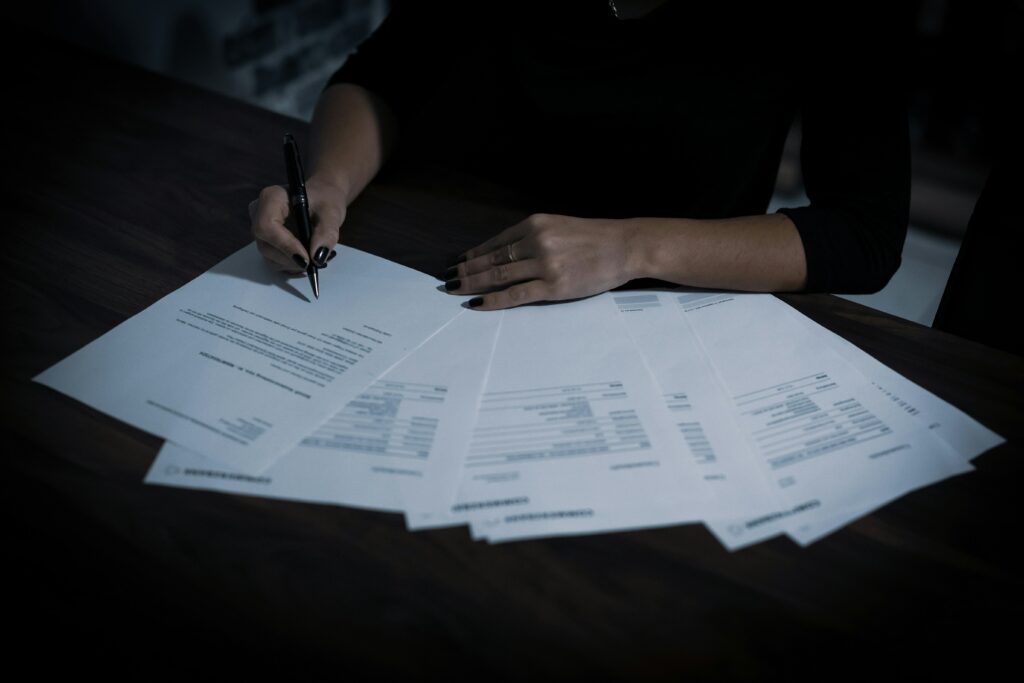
point(279, 260)
point(268, 223)
point(494, 258)
point(512, 234)
point(326, 231)
point(495, 277)
point(516, 295)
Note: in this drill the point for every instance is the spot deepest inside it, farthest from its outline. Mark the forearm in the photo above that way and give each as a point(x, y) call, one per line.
point(751, 253)
point(351, 135)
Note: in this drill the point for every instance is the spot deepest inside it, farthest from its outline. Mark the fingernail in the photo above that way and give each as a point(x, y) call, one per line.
point(450, 273)
point(319, 258)
point(462, 258)
point(299, 261)
point(334, 252)
point(473, 303)
point(452, 284)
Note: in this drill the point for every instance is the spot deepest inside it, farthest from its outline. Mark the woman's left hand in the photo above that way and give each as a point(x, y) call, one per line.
point(546, 258)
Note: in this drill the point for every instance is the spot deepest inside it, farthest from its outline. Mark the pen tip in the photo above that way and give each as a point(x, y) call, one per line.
point(314, 278)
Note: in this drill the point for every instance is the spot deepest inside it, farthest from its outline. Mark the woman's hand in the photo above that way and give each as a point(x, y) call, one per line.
point(546, 258)
point(273, 229)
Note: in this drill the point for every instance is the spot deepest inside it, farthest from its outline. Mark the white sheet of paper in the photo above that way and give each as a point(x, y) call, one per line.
point(571, 423)
point(826, 436)
point(239, 364)
point(968, 437)
point(705, 432)
point(465, 363)
point(401, 438)
point(693, 395)
point(965, 435)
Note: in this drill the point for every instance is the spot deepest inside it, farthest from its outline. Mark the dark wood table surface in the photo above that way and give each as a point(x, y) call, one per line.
point(125, 185)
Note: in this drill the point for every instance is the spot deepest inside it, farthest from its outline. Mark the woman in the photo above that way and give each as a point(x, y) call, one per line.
point(651, 140)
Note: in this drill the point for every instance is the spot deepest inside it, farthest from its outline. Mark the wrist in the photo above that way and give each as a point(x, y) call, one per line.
point(648, 253)
point(635, 261)
point(335, 188)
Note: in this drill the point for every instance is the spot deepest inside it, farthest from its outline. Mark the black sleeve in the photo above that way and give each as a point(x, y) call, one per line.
point(985, 275)
point(855, 155)
point(413, 50)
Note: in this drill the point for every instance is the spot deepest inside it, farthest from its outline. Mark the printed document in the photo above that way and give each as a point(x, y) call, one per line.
point(571, 426)
point(395, 447)
point(826, 437)
point(704, 431)
point(241, 364)
point(965, 435)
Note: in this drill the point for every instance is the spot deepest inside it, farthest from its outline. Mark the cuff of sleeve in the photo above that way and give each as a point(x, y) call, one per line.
point(811, 225)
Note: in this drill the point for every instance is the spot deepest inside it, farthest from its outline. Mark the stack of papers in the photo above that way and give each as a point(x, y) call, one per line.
point(626, 410)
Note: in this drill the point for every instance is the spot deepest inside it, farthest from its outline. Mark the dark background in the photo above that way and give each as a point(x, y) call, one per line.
point(961, 57)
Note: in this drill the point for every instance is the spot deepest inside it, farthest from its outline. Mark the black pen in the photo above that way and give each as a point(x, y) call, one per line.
point(299, 205)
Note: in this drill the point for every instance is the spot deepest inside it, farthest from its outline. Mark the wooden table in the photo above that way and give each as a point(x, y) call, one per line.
point(135, 185)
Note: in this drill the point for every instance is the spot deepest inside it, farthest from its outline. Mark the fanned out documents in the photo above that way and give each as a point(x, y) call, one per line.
point(241, 365)
point(623, 411)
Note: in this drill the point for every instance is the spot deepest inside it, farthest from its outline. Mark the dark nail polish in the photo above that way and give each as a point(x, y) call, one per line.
point(450, 273)
point(299, 261)
point(473, 303)
point(452, 284)
point(461, 259)
point(320, 257)
point(334, 252)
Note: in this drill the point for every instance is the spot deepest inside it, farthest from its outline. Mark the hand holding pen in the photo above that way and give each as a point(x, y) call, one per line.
point(277, 229)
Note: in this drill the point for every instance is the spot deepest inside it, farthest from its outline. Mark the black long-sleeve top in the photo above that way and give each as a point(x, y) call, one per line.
point(680, 113)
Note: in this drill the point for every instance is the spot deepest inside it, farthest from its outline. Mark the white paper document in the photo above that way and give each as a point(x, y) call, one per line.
point(571, 427)
point(702, 413)
point(702, 429)
point(829, 440)
point(395, 447)
point(965, 435)
point(240, 364)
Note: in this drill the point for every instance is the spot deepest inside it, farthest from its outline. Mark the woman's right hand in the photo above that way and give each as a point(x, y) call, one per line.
point(274, 231)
